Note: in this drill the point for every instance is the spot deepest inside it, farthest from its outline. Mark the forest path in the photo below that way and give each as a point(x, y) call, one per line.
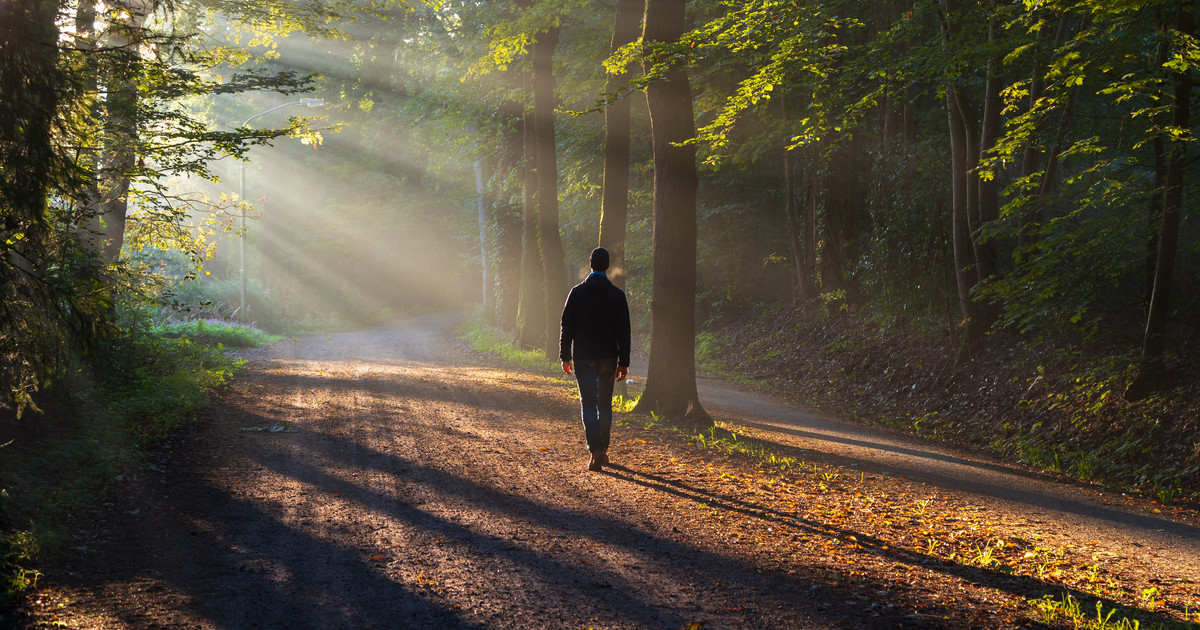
point(1130, 526)
point(392, 478)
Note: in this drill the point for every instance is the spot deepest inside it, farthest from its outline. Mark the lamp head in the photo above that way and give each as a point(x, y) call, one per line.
point(313, 102)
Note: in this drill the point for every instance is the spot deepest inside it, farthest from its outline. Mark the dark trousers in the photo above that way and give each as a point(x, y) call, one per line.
point(596, 378)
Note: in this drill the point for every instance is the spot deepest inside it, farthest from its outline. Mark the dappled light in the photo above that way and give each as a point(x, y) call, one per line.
point(313, 311)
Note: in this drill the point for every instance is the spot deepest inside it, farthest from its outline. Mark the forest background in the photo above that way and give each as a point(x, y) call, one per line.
point(969, 219)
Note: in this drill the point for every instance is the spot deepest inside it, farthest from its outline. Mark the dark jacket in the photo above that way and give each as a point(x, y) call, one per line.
point(596, 320)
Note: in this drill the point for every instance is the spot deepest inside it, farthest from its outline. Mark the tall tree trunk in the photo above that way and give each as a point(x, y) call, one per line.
point(803, 282)
point(120, 150)
point(964, 253)
point(971, 146)
point(614, 203)
point(812, 202)
point(1158, 145)
point(549, 240)
point(85, 41)
point(482, 203)
point(671, 376)
point(964, 157)
point(1154, 221)
point(28, 105)
point(531, 314)
point(993, 126)
point(1030, 221)
point(1154, 342)
point(506, 218)
point(837, 201)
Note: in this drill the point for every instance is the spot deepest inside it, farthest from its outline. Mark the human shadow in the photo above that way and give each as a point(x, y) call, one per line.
point(419, 489)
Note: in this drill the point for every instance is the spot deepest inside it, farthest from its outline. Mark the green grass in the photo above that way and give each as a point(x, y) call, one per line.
point(142, 385)
point(214, 332)
point(1068, 610)
point(485, 338)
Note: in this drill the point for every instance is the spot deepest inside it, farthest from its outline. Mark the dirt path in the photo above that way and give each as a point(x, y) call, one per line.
point(1167, 543)
point(393, 479)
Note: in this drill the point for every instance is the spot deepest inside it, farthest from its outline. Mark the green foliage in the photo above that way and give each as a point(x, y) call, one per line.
point(1068, 609)
point(216, 333)
point(487, 339)
point(149, 381)
point(163, 380)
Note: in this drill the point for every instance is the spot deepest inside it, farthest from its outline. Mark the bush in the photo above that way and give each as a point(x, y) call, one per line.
point(148, 381)
point(213, 332)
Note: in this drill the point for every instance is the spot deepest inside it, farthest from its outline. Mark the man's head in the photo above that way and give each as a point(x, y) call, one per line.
point(599, 259)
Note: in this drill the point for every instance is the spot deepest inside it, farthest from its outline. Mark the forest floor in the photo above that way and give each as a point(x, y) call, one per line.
point(394, 478)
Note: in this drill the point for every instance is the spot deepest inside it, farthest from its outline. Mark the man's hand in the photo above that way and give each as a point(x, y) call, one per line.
point(622, 372)
point(568, 366)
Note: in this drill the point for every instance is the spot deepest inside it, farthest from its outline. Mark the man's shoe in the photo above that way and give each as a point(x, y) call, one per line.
point(603, 456)
point(596, 462)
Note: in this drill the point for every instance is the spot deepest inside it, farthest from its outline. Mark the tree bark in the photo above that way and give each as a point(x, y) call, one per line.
point(506, 218)
point(1155, 209)
point(121, 133)
point(549, 240)
point(964, 253)
point(1029, 224)
point(614, 203)
point(803, 283)
point(89, 196)
point(531, 313)
point(671, 377)
point(28, 56)
point(834, 253)
point(1154, 342)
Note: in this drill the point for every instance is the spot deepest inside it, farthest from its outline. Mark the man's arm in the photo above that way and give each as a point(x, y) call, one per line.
point(566, 331)
point(623, 334)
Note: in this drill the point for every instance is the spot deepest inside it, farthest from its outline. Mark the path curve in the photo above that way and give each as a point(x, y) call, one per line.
point(1082, 511)
point(392, 478)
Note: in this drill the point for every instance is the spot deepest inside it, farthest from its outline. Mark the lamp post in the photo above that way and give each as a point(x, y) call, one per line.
point(307, 102)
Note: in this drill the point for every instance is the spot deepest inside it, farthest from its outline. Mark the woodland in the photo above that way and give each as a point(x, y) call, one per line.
point(972, 219)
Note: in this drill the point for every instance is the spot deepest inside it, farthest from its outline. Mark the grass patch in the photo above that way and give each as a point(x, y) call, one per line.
point(1067, 609)
point(97, 428)
point(215, 332)
point(485, 338)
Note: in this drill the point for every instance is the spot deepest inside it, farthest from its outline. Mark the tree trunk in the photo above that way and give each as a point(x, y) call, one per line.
point(964, 253)
point(28, 56)
point(993, 126)
point(120, 150)
point(1154, 343)
point(89, 195)
point(1154, 221)
point(970, 136)
point(506, 219)
point(614, 203)
point(812, 202)
point(671, 377)
point(1160, 176)
point(549, 240)
point(837, 200)
point(803, 282)
point(1029, 225)
point(531, 313)
point(482, 203)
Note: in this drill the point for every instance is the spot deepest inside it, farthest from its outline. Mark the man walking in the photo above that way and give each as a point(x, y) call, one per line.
point(595, 323)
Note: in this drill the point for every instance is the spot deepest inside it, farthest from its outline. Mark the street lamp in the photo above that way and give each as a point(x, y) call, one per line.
point(307, 102)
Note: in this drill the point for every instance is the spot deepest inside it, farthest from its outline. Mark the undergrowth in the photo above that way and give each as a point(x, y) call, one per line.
point(216, 332)
point(140, 385)
point(486, 338)
point(1057, 408)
